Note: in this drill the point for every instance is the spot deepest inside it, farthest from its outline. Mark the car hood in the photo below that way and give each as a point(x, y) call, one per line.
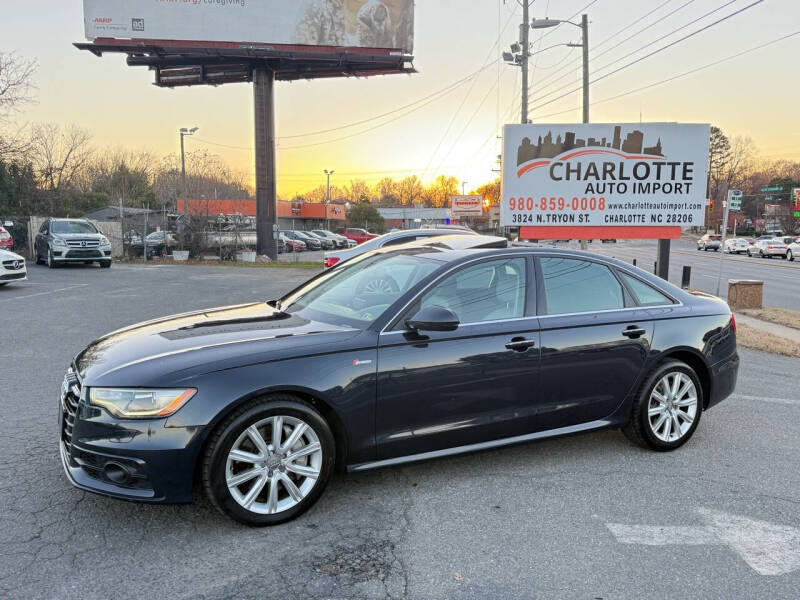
point(7, 255)
point(166, 351)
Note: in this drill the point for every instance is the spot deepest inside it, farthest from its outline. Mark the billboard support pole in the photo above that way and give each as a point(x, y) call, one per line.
point(663, 259)
point(266, 187)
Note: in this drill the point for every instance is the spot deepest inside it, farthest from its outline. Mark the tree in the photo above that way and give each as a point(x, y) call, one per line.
point(490, 193)
point(441, 190)
point(367, 216)
point(16, 90)
point(410, 190)
point(358, 191)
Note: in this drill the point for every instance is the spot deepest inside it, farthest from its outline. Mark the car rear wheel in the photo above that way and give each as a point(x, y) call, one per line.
point(38, 256)
point(668, 408)
point(789, 255)
point(269, 461)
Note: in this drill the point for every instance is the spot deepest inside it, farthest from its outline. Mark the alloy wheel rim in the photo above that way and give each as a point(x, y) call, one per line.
point(274, 464)
point(672, 408)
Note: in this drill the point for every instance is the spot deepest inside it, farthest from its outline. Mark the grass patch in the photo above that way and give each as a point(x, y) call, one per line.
point(755, 339)
point(781, 316)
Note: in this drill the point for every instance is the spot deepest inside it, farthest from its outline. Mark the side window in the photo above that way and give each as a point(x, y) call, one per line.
point(399, 240)
point(573, 286)
point(489, 291)
point(645, 294)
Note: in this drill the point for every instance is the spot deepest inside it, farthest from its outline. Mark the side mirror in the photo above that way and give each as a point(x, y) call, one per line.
point(433, 318)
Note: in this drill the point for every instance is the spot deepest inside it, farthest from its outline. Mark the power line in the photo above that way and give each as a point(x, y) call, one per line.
point(655, 41)
point(659, 50)
point(680, 75)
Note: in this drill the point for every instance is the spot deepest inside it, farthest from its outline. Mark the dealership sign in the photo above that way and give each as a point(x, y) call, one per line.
point(359, 23)
point(467, 206)
point(649, 178)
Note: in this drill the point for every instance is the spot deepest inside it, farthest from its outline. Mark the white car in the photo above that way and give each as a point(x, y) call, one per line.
point(768, 248)
point(12, 268)
point(793, 251)
point(736, 246)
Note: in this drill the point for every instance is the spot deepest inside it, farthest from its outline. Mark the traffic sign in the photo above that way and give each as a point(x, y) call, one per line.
point(735, 200)
point(796, 198)
point(774, 188)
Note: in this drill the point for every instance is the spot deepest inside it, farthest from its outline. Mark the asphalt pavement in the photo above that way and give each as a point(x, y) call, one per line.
point(589, 516)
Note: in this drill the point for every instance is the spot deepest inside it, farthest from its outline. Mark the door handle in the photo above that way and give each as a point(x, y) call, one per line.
point(634, 332)
point(520, 344)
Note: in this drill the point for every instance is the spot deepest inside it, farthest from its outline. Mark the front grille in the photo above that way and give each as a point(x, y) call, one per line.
point(83, 254)
point(10, 264)
point(70, 398)
point(83, 243)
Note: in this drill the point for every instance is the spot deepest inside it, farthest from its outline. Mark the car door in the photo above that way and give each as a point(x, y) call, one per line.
point(41, 241)
point(438, 390)
point(595, 340)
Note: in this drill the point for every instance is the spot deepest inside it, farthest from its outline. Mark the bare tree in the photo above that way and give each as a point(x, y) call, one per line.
point(16, 90)
point(59, 154)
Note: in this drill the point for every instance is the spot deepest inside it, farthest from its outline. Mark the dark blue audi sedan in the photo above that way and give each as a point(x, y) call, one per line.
point(403, 354)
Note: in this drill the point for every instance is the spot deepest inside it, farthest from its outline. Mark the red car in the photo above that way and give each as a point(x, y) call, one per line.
point(6, 241)
point(359, 236)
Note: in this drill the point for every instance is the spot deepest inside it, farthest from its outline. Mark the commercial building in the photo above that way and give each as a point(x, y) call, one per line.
point(291, 215)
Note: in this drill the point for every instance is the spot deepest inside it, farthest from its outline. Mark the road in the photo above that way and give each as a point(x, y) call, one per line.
point(781, 278)
point(562, 518)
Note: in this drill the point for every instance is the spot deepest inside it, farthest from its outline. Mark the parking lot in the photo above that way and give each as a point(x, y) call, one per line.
point(590, 516)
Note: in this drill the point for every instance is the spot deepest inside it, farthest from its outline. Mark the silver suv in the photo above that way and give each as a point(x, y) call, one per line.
point(71, 240)
point(710, 241)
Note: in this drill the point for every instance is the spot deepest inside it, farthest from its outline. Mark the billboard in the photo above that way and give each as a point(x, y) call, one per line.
point(631, 175)
point(346, 23)
point(466, 206)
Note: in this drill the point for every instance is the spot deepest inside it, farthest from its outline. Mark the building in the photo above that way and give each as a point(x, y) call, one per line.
point(414, 218)
point(304, 216)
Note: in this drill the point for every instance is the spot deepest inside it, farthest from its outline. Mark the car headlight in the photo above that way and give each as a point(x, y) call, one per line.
point(58, 243)
point(132, 403)
point(104, 241)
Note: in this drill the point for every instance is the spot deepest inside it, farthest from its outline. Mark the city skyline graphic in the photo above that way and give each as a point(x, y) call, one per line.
point(546, 148)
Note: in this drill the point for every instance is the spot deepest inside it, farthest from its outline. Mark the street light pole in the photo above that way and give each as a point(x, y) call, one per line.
point(184, 132)
point(585, 29)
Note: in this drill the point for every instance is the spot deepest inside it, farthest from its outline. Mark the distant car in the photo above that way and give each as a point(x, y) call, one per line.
point(359, 236)
point(768, 248)
point(6, 239)
point(12, 267)
point(765, 237)
point(327, 244)
point(339, 240)
point(311, 243)
point(736, 246)
point(709, 241)
point(390, 239)
point(159, 243)
point(292, 245)
point(793, 250)
point(62, 241)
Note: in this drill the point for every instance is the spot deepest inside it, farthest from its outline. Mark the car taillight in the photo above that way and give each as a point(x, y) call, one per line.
point(4, 235)
point(733, 323)
point(330, 261)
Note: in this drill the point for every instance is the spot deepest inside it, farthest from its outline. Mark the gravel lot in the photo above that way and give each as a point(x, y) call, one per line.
point(542, 520)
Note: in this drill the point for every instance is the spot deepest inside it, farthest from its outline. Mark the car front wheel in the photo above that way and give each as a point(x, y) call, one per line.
point(667, 410)
point(51, 263)
point(269, 461)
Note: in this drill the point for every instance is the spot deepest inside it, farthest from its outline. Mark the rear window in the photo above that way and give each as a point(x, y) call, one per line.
point(716, 238)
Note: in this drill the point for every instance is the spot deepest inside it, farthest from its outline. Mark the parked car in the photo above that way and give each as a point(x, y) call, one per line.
point(6, 239)
point(311, 243)
point(390, 239)
point(290, 244)
point(709, 241)
point(62, 241)
point(359, 236)
point(371, 364)
point(793, 250)
point(768, 248)
point(736, 246)
point(327, 244)
point(339, 240)
point(12, 267)
point(159, 243)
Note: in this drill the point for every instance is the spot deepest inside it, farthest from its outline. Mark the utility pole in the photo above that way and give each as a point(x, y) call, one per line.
point(328, 198)
point(585, 30)
point(526, 53)
point(184, 132)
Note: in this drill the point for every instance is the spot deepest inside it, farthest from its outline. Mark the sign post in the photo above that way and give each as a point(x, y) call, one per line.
point(734, 199)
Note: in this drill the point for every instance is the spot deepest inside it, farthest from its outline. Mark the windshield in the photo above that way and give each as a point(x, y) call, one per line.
point(359, 292)
point(156, 235)
point(72, 227)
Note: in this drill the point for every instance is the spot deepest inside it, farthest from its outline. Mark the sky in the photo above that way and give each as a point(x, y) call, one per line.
point(754, 95)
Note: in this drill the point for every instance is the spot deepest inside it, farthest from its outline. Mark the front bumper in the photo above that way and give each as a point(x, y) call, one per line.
point(80, 254)
point(137, 460)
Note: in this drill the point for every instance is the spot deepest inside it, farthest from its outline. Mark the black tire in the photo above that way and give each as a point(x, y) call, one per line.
point(789, 255)
point(226, 434)
point(39, 260)
point(638, 429)
point(51, 263)
point(105, 264)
